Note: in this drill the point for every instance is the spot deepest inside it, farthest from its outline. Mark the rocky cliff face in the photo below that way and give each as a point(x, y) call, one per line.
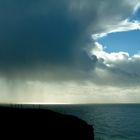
point(42, 124)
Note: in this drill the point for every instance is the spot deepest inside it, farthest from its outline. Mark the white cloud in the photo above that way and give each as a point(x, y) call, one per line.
point(116, 69)
point(122, 26)
point(118, 63)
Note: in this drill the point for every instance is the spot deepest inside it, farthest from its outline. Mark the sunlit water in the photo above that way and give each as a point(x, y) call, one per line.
point(111, 122)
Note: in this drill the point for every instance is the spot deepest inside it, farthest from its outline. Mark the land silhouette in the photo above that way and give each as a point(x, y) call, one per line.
point(35, 123)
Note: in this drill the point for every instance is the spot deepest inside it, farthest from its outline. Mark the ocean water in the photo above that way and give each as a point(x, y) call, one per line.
point(110, 121)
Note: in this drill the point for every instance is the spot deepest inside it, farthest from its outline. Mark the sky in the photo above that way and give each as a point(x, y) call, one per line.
point(126, 41)
point(78, 51)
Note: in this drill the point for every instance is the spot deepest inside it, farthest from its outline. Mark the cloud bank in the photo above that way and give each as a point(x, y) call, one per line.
point(45, 44)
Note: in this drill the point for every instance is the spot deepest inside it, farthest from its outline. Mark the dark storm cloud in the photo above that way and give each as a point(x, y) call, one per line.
point(49, 34)
point(42, 32)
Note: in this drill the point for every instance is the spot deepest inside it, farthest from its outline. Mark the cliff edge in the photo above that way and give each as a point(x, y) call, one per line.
point(21, 123)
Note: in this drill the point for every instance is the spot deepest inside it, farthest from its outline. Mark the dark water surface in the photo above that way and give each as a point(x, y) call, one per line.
point(110, 121)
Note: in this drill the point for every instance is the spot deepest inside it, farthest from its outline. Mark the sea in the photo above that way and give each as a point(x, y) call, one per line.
point(110, 121)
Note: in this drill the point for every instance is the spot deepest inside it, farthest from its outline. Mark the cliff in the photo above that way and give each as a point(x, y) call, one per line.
point(20, 123)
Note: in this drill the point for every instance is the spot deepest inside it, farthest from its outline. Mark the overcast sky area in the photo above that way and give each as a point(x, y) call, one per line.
point(71, 51)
